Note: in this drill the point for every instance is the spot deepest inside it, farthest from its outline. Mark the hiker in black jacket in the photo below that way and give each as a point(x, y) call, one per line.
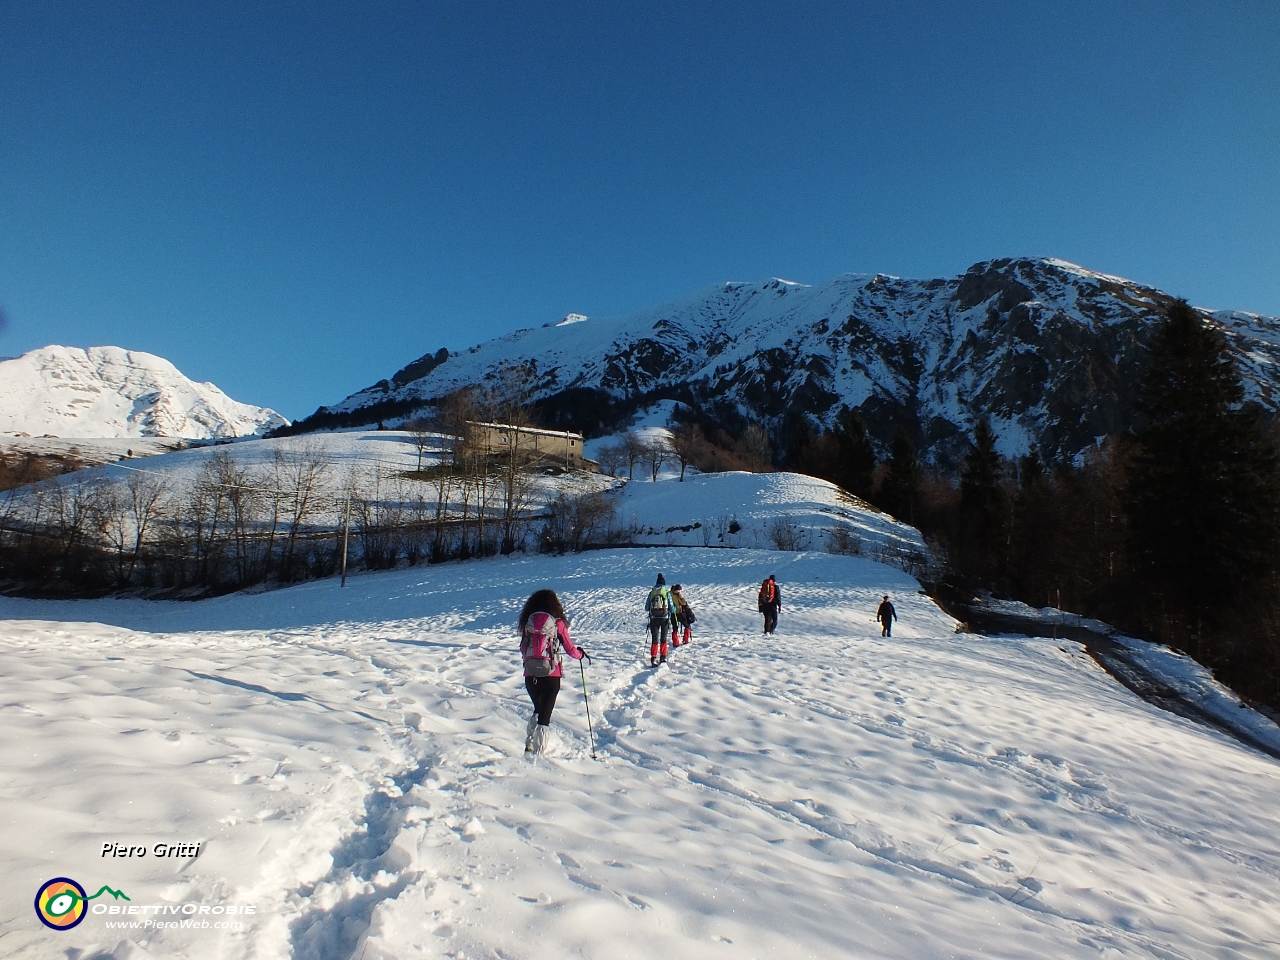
point(885, 616)
point(769, 603)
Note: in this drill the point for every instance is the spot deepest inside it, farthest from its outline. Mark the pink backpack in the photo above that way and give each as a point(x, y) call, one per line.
point(540, 645)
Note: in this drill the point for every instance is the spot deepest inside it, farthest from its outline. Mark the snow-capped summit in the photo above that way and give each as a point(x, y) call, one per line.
point(111, 392)
point(1052, 353)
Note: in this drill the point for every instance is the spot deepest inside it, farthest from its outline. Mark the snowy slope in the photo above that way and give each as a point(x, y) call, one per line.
point(697, 512)
point(351, 762)
point(109, 392)
point(1050, 351)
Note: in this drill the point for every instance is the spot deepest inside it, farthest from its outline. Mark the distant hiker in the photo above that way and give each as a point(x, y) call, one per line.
point(885, 615)
point(544, 630)
point(769, 603)
point(662, 613)
point(684, 618)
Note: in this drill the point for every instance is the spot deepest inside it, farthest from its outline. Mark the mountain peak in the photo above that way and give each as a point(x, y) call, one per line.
point(103, 392)
point(1049, 351)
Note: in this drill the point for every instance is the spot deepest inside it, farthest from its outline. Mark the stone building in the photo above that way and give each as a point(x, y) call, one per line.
point(558, 445)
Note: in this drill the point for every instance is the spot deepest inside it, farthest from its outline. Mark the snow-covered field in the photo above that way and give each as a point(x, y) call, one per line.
point(720, 509)
point(351, 763)
point(91, 452)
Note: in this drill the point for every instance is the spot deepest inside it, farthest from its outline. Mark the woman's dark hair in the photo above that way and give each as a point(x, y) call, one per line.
point(542, 601)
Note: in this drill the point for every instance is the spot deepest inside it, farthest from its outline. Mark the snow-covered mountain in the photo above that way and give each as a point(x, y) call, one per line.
point(1051, 352)
point(109, 392)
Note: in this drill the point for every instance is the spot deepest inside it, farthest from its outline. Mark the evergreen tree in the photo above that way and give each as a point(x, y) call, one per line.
point(800, 443)
point(900, 488)
point(1030, 469)
point(1200, 496)
point(854, 466)
point(984, 508)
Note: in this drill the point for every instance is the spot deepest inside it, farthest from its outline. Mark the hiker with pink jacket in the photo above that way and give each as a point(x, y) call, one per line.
point(544, 631)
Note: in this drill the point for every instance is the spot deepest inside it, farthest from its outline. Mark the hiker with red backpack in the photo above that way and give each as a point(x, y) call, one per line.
point(662, 613)
point(544, 631)
point(769, 603)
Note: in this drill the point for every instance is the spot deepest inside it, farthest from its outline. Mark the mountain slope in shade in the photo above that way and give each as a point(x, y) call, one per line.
point(1051, 352)
point(110, 392)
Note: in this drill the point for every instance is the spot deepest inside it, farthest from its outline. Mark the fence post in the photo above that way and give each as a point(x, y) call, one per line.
point(346, 531)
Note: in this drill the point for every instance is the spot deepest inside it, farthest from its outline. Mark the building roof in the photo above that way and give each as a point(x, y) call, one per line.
point(545, 433)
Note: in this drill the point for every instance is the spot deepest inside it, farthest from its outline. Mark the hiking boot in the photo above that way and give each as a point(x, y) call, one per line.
point(653, 661)
point(663, 660)
point(542, 740)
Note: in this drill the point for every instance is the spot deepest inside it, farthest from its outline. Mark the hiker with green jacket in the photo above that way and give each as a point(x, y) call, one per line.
point(662, 613)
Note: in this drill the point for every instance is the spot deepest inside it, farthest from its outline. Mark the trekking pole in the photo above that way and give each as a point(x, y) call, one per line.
point(587, 701)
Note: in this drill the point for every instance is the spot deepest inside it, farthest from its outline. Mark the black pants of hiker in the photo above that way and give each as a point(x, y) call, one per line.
point(888, 629)
point(543, 692)
point(658, 632)
point(770, 619)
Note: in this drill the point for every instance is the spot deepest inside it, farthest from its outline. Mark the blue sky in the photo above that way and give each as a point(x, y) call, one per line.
point(294, 200)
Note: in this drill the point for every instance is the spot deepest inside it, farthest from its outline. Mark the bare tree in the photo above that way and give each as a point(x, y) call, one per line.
point(633, 449)
point(785, 534)
point(686, 440)
point(300, 476)
point(421, 436)
point(128, 512)
point(205, 513)
point(575, 520)
point(245, 493)
point(74, 509)
point(611, 457)
point(450, 419)
point(509, 401)
point(416, 523)
point(376, 517)
point(444, 484)
point(756, 448)
point(656, 452)
point(113, 519)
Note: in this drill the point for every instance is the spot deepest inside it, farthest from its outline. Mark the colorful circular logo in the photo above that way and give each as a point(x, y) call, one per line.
point(60, 904)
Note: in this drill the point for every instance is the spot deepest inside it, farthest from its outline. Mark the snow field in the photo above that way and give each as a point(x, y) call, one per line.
point(758, 501)
point(696, 512)
point(352, 761)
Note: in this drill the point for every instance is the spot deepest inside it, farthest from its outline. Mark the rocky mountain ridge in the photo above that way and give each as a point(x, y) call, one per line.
point(1051, 352)
point(109, 392)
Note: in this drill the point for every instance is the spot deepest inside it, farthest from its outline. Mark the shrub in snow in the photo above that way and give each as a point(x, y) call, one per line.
point(844, 540)
point(575, 521)
point(785, 534)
